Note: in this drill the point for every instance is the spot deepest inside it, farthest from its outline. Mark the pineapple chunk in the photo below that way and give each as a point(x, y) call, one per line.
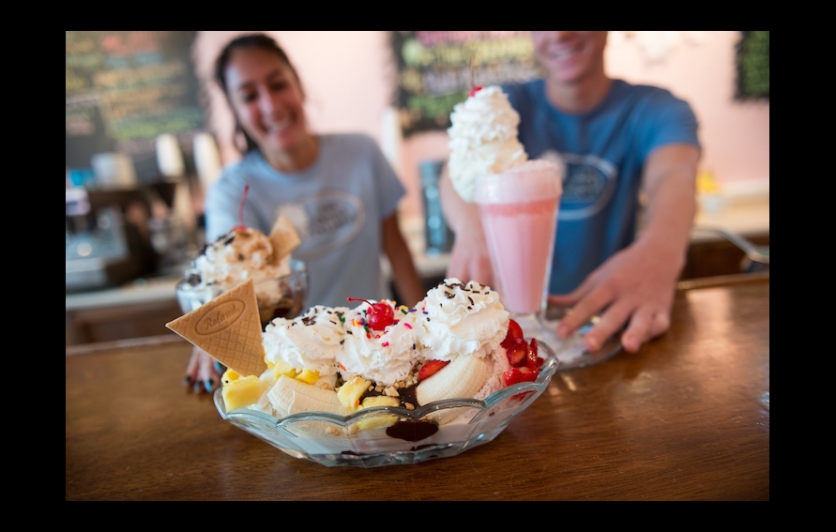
point(380, 400)
point(308, 375)
point(283, 368)
point(242, 392)
point(350, 392)
point(380, 420)
point(229, 376)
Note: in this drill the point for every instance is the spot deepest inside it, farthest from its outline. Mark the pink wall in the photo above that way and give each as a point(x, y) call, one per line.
point(349, 79)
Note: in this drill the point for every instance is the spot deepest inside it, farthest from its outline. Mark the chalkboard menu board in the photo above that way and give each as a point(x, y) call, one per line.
point(436, 68)
point(753, 65)
point(124, 88)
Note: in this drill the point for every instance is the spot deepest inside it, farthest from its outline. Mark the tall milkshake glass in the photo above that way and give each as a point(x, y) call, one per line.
point(518, 209)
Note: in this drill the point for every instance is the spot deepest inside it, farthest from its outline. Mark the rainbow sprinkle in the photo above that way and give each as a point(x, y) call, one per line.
point(385, 344)
point(408, 326)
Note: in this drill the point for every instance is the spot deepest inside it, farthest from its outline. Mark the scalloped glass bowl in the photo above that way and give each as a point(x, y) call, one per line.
point(388, 435)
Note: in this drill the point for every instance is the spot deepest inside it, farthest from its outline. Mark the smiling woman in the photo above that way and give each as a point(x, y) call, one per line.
point(337, 190)
point(267, 101)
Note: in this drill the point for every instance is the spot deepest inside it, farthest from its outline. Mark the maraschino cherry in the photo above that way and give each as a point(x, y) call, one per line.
point(476, 88)
point(241, 225)
point(381, 315)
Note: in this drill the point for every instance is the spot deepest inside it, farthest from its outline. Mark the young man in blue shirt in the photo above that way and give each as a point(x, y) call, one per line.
point(615, 140)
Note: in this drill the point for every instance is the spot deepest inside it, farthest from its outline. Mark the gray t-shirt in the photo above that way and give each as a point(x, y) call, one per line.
point(337, 206)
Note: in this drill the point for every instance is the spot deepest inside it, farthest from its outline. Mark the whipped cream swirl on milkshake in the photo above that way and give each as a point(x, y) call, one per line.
point(483, 139)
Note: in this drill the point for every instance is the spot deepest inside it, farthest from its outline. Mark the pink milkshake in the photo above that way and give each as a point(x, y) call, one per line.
point(519, 209)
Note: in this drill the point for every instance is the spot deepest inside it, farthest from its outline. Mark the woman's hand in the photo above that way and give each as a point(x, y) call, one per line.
point(203, 372)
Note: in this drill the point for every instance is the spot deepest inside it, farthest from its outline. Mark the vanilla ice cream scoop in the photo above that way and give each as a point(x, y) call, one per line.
point(310, 341)
point(483, 139)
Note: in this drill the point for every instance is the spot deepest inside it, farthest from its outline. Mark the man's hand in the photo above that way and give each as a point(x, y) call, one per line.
point(469, 259)
point(635, 287)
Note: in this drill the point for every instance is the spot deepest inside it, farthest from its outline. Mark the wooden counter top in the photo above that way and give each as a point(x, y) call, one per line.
point(685, 418)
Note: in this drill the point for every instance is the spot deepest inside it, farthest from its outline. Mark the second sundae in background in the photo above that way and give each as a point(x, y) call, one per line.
point(483, 139)
point(245, 253)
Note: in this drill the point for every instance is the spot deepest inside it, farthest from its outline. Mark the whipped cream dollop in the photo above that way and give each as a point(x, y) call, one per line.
point(483, 139)
point(464, 319)
point(310, 341)
point(384, 356)
point(454, 319)
point(242, 253)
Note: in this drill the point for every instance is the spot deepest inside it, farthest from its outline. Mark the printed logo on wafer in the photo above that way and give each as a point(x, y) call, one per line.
point(228, 328)
point(220, 318)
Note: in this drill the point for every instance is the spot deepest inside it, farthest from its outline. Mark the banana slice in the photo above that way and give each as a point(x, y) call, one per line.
point(291, 396)
point(461, 378)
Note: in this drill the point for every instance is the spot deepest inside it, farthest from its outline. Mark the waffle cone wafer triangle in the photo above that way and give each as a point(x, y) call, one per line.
point(228, 328)
point(283, 237)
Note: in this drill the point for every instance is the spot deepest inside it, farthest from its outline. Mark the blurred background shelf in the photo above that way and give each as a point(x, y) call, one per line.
point(142, 307)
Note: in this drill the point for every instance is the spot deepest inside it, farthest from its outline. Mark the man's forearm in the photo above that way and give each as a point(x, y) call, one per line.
point(671, 206)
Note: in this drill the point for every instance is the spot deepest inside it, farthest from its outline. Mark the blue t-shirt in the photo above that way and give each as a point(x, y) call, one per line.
point(336, 205)
point(604, 152)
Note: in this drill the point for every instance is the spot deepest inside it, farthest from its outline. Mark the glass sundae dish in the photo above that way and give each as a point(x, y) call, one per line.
point(387, 435)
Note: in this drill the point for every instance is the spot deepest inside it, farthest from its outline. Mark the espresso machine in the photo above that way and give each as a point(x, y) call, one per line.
point(106, 243)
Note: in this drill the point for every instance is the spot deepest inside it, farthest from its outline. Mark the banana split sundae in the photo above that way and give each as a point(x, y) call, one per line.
point(457, 343)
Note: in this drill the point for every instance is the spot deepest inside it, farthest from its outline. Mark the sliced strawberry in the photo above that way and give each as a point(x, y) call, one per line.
point(431, 368)
point(532, 360)
point(516, 353)
point(513, 335)
point(521, 374)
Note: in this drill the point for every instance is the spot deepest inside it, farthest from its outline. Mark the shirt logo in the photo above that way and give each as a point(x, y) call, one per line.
point(325, 221)
point(588, 184)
